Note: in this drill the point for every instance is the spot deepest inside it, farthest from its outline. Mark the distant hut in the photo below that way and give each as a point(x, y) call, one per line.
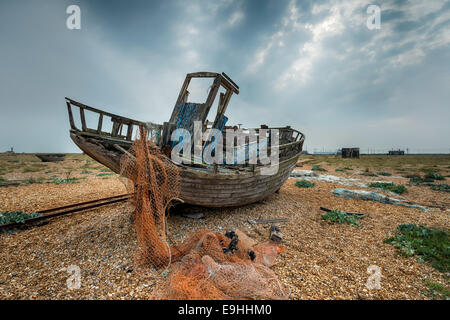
point(350, 152)
point(396, 152)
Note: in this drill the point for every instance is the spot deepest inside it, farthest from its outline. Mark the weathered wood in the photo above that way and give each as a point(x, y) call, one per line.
point(193, 184)
point(83, 120)
point(200, 184)
point(130, 132)
point(71, 121)
point(262, 221)
point(108, 114)
point(100, 123)
point(275, 234)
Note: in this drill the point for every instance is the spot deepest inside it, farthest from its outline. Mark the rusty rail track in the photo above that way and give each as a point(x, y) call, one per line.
point(71, 208)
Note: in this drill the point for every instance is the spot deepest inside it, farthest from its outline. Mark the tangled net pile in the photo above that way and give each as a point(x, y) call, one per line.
point(206, 265)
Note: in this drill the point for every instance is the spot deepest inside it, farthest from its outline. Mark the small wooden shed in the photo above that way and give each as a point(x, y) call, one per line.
point(350, 152)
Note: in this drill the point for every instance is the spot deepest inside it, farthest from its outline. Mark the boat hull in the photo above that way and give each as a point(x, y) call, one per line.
point(202, 187)
point(51, 157)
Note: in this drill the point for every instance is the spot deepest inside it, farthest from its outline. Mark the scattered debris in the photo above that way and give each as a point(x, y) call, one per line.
point(275, 220)
point(311, 175)
point(373, 196)
point(232, 246)
point(194, 215)
point(275, 234)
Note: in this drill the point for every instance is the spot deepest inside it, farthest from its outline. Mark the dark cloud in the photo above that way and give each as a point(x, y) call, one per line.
point(312, 64)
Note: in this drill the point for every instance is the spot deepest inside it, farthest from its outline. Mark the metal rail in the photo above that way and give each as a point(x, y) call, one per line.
point(71, 208)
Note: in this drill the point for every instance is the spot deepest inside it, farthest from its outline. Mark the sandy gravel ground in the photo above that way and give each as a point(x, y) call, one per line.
point(321, 260)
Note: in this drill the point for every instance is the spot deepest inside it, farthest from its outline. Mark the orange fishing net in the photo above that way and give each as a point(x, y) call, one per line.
point(207, 265)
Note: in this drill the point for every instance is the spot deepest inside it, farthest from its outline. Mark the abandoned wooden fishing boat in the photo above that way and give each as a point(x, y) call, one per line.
point(218, 185)
point(51, 157)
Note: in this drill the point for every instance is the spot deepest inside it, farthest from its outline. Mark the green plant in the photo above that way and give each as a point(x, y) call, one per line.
point(32, 180)
point(86, 172)
point(437, 291)
point(428, 244)
point(317, 167)
point(434, 176)
point(340, 217)
point(368, 173)
point(388, 186)
point(104, 174)
point(2, 179)
point(415, 179)
point(16, 217)
point(386, 174)
point(305, 184)
point(36, 169)
point(64, 181)
point(339, 170)
point(347, 168)
point(440, 187)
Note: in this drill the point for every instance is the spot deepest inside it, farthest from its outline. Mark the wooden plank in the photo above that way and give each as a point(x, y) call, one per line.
point(100, 123)
point(122, 119)
point(275, 220)
point(83, 120)
point(130, 132)
point(115, 129)
point(69, 110)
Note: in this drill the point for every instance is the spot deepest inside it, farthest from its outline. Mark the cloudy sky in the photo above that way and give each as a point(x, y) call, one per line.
point(314, 65)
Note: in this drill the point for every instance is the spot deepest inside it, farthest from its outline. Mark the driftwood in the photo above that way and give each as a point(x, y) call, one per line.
point(262, 221)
